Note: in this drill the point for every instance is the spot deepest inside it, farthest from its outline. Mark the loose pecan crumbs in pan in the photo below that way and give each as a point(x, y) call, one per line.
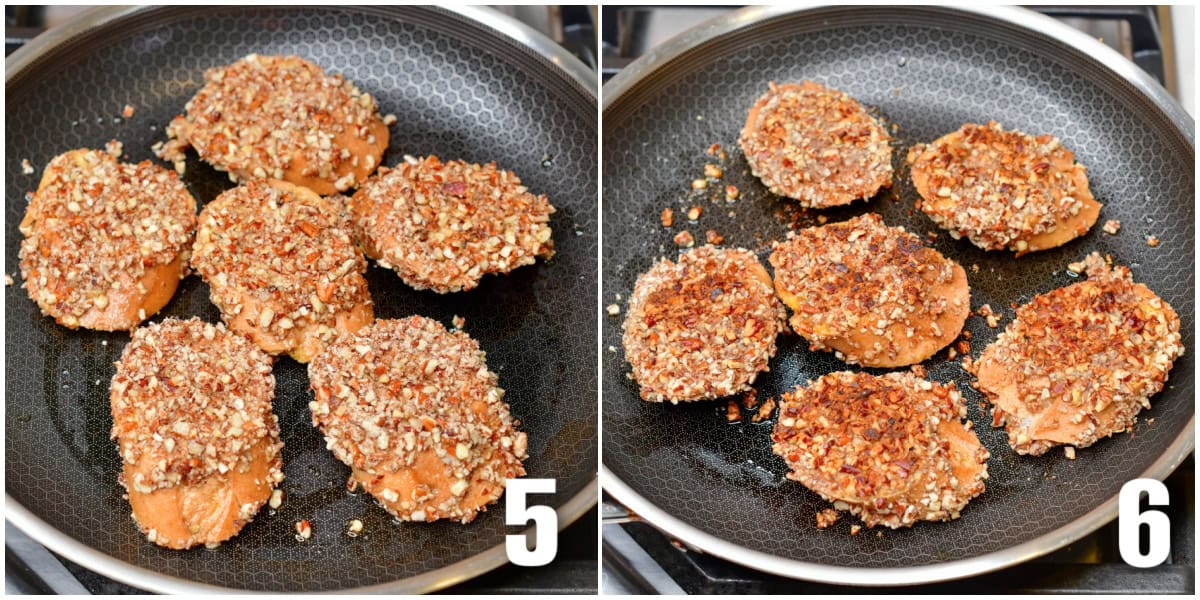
point(1003, 189)
point(106, 242)
point(280, 117)
point(282, 267)
point(418, 416)
point(816, 145)
point(702, 327)
point(875, 295)
point(891, 449)
point(1078, 363)
point(443, 226)
point(200, 449)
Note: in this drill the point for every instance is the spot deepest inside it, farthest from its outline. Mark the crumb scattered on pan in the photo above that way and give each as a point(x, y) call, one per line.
point(1076, 267)
point(765, 410)
point(749, 398)
point(694, 213)
point(8, 280)
point(731, 193)
point(985, 311)
point(827, 517)
point(715, 150)
point(951, 353)
point(127, 111)
point(684, 239)
point(1152, 241)
point(1070, 452)
point(699, 184)
point(667, 217)
point(713, 237)
point(974, 267)
point(303, 530)
point(458, 322)
point(612, 349)
point(114, 148)
point(854, 529)
point(1112, 226)
point(276, 499)
point(354, 527)
point(613, 310)
point(713, 171)
point(733, 412)
point(822, 219)
point(963, 347)
point(389, 119)
point(26, 168)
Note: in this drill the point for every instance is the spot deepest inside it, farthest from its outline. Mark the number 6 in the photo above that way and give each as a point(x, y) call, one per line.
point(545, 522)
point(1130, 521)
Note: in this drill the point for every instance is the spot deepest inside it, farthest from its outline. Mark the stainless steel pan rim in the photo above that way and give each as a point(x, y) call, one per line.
point(658, 516)
point(437, 579)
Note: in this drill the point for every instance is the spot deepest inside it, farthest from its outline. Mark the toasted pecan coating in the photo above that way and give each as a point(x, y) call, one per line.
point(1078, 363)
point(200, 449)
point(875, 295)
point(442, 226)
point(816, 145)
point(414, 411)
point(1003, 189)
point(892, 449)
point(282, 267)
point(106, 242)
point(281, 117)
point(703, 327)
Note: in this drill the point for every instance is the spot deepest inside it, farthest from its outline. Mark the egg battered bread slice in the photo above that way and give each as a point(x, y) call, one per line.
point(1078, 363)
point(200, 449)
point(892, 449)
point(105, 242)
point(420, 419)
point(442, 226)
point(703, 327)
point(282, 267)
point(816, 145)
point(873, 294)
point(281, 117)
point(1003, 189)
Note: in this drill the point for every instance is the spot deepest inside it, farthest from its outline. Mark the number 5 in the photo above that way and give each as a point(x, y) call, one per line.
point(1130, 522)
point(545, 522)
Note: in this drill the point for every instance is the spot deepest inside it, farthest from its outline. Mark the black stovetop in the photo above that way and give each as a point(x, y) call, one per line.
point(1091, 565)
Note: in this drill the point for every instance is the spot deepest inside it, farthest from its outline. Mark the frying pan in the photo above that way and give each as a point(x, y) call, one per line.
point(716, 485)
point(464, 83)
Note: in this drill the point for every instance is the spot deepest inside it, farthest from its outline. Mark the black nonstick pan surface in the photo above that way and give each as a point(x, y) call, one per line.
point(716, 485)
point(464, 84)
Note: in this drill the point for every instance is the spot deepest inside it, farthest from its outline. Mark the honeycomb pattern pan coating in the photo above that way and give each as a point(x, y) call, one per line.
point(926, 70)
point(459, 89)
